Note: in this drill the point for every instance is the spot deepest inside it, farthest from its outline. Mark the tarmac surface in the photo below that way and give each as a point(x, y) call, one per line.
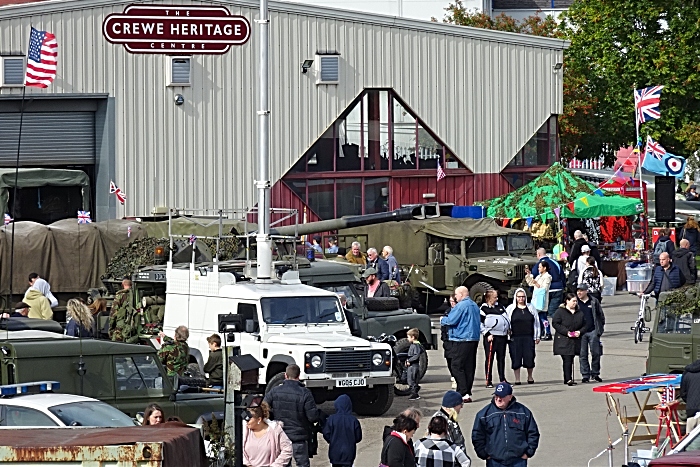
point(574, 422)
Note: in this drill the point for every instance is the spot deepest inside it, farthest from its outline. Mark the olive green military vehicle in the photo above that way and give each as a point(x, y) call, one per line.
point(674, 337)
point(128, 377)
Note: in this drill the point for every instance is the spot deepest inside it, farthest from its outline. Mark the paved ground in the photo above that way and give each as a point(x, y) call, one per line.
point(573, 421)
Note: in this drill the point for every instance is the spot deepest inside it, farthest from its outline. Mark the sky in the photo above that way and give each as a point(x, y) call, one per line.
point(416, 9)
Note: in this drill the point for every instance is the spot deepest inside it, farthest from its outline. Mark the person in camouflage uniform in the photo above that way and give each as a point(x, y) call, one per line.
point(123, 319)
point(174, 354)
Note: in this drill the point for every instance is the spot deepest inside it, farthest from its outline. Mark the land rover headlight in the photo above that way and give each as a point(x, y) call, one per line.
point(316, 361)
point(509, 272)
point(377, 359)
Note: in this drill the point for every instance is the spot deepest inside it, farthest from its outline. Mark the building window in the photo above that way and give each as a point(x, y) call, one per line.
point(11, 71)
point(542, 149)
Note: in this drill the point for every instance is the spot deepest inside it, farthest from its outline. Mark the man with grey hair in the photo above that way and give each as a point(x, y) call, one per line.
point(377, 262)
point(355, 255)
point(575, 252)
point(685, 260)
point(394, 270)
point(464, 332)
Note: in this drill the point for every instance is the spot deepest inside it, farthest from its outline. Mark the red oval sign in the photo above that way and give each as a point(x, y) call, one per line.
point(174, 29)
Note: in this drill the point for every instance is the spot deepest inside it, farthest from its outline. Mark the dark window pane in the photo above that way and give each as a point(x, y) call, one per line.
point(298, 187)
point(429, 150)
point(376, 195)
point(404, 138)
point(349, 197)
point(320, 155)
point(321, 195)
point(352, 136)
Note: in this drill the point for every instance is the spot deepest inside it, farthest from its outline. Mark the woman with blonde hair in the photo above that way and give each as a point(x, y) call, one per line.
point(690, 233)
point(80, 321)
point(264, 441)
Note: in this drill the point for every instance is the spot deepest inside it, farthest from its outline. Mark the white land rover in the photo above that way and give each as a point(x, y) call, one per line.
point(285, 322)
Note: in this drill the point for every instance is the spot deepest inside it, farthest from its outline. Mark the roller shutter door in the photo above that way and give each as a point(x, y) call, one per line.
point(48, 139)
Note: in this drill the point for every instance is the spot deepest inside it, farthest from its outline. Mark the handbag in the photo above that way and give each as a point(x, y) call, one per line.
point(539, 298)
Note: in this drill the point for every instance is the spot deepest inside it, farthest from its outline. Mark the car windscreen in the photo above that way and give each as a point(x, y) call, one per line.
point(91, 413)
point(301, 310)
point(519, 242)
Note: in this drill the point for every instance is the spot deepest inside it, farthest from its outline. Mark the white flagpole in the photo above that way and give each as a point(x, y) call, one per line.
point(645, 223)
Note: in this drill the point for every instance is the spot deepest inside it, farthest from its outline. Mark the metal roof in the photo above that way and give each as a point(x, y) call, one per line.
point(19, 8)
point(253, 291)
point(43, 347)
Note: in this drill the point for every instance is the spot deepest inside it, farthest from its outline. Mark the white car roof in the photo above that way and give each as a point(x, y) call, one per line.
point(44, 400)
point(253, 291)
point(32, 334)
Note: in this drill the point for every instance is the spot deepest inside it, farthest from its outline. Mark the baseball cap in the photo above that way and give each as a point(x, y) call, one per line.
point(452, 399)
point(20, 306)
point(503, 390)
point(368, 272)
point(585, 248)
point(582, 286)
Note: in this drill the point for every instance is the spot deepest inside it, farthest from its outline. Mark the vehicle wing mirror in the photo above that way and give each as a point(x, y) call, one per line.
point(230, 323)
point(647, 314)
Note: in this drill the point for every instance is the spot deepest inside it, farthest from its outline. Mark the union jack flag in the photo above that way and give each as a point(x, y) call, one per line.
point(655, 149)
point(121, 196)
point(84, 217)
point(440, 173)
point(8, 219)
point(192, 239)
point(646, 103)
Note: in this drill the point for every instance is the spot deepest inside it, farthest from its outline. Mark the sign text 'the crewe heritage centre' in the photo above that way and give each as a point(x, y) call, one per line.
point(169, 29)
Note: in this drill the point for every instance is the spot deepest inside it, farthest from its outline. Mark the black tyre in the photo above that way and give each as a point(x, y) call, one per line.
point(477, 291)
point(375, 402)
point(276, 380)
point(193, 371)
point(402, 346)
point(382, 303)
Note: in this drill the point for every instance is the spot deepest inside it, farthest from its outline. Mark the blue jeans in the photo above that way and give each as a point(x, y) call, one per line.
point(590, 339)
point(514, 463)
point(555, 299)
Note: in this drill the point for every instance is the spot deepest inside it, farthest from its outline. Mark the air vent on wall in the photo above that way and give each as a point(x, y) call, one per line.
point(327, 69)
point(180, 71)
point(12, 71)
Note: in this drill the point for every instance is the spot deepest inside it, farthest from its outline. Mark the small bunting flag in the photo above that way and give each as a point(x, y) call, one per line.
point(599, 192)
point(543, 216)
point(557, 211)
point(506, 222)
point(584, 200)
point(8, 219)
point(192, 239)
point(529, 222)
point(571, 207)
point(84, 217)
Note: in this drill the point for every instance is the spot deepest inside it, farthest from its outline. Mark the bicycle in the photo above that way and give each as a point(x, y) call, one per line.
point(639, 328)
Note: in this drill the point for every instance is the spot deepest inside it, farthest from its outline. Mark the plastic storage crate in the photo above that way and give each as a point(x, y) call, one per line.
point(609, 287)
point(640, 273)
point(637, 285)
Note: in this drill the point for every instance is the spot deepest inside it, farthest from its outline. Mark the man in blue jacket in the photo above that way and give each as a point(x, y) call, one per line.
point(666, 276)
point(342, 432)
point(463, 332)
point(505, 433)
point(556, 290)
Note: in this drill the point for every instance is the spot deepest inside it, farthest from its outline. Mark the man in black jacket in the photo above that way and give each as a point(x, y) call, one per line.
point(575, 252)
point(293, 404)
point(690, 390)
point(505, 432)
point(685, 260)
point(590, 336)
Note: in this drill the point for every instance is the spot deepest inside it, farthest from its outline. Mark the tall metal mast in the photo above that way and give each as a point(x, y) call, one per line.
point(264, 243)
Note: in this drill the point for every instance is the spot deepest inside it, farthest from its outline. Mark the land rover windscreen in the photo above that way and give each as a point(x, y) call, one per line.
point(301, 310)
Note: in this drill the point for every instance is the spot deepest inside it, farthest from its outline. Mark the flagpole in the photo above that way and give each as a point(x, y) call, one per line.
point(14, 194)
point(645, 221)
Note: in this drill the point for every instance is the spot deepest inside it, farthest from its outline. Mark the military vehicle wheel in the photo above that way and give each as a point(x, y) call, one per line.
point(276, 380)
point(376, 401)
point(382, 303)
point(477, 291)
point(402, 346)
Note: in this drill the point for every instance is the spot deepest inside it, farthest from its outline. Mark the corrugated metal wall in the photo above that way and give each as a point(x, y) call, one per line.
point(484, 93)
point(462, 190)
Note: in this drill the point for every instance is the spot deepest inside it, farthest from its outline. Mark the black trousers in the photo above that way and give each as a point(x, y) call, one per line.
point(464, 365)
point(568, 367)
point(447, 352)
point(497, 349)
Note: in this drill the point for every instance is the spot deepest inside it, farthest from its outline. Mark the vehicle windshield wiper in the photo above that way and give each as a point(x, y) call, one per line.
point(286, 321)
point(323, 315)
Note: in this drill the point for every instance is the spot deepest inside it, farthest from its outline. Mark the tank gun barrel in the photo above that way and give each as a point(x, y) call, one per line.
point(420, 211)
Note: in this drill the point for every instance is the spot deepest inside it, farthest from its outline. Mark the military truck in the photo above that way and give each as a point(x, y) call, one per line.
point(126, 376)
point(674, 338)
point(438, 253)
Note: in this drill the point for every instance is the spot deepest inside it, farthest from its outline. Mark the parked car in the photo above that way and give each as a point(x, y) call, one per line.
point(682, 459)
point(37, 406)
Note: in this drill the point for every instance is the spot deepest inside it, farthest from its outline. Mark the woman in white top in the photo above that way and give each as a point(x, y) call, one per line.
point(542, 281)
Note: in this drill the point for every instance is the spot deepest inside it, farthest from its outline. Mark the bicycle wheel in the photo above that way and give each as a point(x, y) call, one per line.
point(638, 332)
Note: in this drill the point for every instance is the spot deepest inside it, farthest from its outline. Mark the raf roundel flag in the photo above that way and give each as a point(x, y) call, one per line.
point(42, 59)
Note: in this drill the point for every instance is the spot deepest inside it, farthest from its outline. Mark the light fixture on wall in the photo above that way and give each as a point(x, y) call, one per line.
point(305, 65)
point(428, 195)
point(557, 66)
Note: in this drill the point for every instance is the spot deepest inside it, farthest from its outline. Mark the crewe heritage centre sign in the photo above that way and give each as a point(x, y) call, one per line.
point(170, 29)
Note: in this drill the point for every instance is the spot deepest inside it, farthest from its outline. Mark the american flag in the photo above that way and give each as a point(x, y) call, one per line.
point(440, 173)
point(84, 217)
point(8, 219)
point(121, 196)
point(655, 149)
point(646, 103)
point(41, 59)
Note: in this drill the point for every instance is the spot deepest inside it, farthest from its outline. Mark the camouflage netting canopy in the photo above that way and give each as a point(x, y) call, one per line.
point(556, 188)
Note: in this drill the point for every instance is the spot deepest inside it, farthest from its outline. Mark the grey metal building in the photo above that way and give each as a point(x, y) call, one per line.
point(411, 94)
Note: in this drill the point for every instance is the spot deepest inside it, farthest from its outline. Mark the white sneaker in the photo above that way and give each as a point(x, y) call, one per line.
point(454, 383)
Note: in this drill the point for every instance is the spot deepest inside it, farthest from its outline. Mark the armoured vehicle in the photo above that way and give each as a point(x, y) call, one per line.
point(674, 339)
point(128, 377)
point(438, 253)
